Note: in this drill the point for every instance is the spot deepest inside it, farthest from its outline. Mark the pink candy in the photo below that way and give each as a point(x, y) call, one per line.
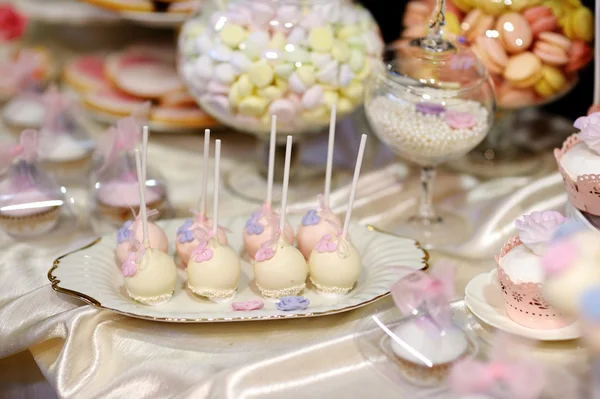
point(460, 120)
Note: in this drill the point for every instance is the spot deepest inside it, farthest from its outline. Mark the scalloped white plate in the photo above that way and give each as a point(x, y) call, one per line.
point(484, 299)
point(92, 275)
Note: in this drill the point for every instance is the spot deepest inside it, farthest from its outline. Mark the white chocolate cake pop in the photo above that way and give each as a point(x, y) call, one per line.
point(264, 222)
point(186, 239)
point(319, 222)
point(214, 269)
point(150, 274)
point(132, 229)
point(279, 268)
point(335, 263)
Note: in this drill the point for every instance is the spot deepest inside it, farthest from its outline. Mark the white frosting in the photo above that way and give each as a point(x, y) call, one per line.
point(521, 265)
point(155, 276)
point(329, 270)
point(438, 349)
point(217, 277)
point(24, 112)
point(158, 239)
point(286, 269)
point(580, 160)
point(60, 147)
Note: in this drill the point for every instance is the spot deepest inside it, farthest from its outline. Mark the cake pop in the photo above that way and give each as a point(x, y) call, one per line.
point(279, 268)
point(335, 263)
point(186, 239)
point(213, 269)
point(319, 222)
point(263, 222)
point(150, 274)
point(133, 228)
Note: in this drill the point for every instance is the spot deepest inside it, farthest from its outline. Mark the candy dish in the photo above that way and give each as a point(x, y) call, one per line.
point(91, 275)
point(483, 297)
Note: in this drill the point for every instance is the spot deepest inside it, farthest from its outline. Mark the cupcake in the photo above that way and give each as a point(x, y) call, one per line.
point(579, 164)
point(522, 276)
point(30, 201)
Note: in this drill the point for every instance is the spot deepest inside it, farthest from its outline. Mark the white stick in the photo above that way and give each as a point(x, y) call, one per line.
point(359, 159)
point(330, 146)
point(216, 187)
point(205, 171)
point(286, 181)
point(141, 187)
point(144, 154)
point(271, 160)
point(597, 54)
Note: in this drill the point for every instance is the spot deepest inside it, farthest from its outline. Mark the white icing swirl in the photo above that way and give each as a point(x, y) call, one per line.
point(536, 229)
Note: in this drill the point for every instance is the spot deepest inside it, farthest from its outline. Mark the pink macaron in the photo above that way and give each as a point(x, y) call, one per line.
point(541, 19)
point(579, 55)
point(515, 33)
point(492, 54)
point(552, 48)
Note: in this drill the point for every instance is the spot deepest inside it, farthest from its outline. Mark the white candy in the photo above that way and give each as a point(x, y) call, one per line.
point(240, 17)
point(297, 35)
point(357, 60)
point(259, 38)
point(296, 84)
point(346, 75)
point(218, 19)
point(262, 13)
point(225, 73)
point(204, 44)
point(221, 53)
point(312, 97)
point(328, 74)
point(312, 20)
point(217, 88)
point(329, 12)
point(284, 70)
point(373, 44)
point(240, 61)
point(287, 13)
point(298, 55)
point(204, 67)
point(283, 108)
point(350, 16)
point(320, 59)
point(219, 103)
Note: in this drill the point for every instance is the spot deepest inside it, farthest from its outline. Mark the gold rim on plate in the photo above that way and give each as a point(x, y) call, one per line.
point(95, 303)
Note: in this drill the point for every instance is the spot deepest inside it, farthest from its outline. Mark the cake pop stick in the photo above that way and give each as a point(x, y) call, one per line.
point(204, 172)
point(141, 185)
point(215, 225)
point(286, 180)
point(271, 161)
point(144, 154)
point(361, 152)
point(330, 146)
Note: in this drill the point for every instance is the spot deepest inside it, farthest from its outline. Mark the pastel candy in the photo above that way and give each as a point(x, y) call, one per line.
point(312, 20)
point(271, 93)
point(225, 73)
point(321, 39)
point(262, 12)
point(253, 106)
point(312, 97)
point(373, 44)
point(232, 35)
point(220, 103)
point(345, 105)
point(296, 84)
point(221, 53)
point(330, 97)
point(240, 16)
point(240, 61)
point(348, 31)
point(217, 88)
point(298, 55)
point(328, 74)
point(353, 91)
point(340, 51)
point(295, 99)
point(284, 70)
point(350, 17)
point(306, 73)
point(359, 42)
point(287, 13)
point(244, 85)
point(260, 39)
point(297, 35)
point(234, 95)
point(204, 44)
point(316, 114)
point(320, 59)
point(283, 108)
point(204, 67)
point(364, 72)
point(260, 74)
point(357, 60)
point(346, 75)
point(278, 41)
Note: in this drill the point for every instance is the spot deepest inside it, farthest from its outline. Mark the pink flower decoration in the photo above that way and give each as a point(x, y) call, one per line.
point(129, 267)
point(590, 130)
point(12, 23)
point(263, 254)
point(248, 305)
point(201, 253)
point(326, 244)
point(559, 257)
point(537, 229)
point(460, 120)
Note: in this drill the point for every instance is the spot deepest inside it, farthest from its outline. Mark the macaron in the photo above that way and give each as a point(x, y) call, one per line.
point(552, 48)
point(492, 54)
point(475, 24)
point(541, 19)
point(510, 97)
point(551, 82)
point(464, 5)
point(187, 117)
point(580, 54)
point(85, 73)
point(492, 7)
point(583, 24)
point(523, 70)
point(514, 31)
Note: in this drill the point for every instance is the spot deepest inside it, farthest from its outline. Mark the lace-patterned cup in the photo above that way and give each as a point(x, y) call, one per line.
point(584, 192)
point(524, 302)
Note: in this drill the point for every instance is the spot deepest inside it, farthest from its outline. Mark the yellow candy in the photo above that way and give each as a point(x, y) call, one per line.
point(234, 95)
point(282, 84)
point(278, 41)
point(340, 51)
point(345, 106)
point(575, 3)
point(317, 113)
point(347, 31)
point(354, 91)
point(232, 35)
point(452, 23)
point(306, 73)
point(284, 70)
point(271, 93)
point(357, 60)
point(244, 85)
point(491, 7)
point(364, 73)
point(543, 88)
point(464, 5)
point(253, 106)
point(567, 26)
point(330, 97)
point(583, 24)
point(558, 8)
point(518, 5)
point(260, 74)
point(321, 39)
point(554, 77)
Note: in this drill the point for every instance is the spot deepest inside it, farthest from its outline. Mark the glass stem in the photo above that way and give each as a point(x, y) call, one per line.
point(426, 212)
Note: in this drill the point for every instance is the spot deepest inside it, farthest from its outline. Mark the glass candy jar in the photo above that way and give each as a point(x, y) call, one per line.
point(245, 60)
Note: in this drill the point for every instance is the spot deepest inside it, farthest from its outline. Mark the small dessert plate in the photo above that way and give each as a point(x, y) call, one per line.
point(484, 299)
point(92, 275)
point(576, 214)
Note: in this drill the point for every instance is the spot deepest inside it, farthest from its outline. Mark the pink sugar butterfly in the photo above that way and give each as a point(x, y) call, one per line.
point(326, 244)
point(201, 253)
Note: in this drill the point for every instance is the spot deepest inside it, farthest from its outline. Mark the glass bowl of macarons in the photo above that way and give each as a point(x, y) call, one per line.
point(533, 50)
